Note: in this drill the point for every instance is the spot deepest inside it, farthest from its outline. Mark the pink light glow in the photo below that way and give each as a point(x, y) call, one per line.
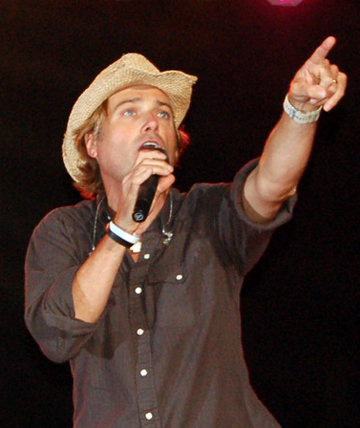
point(285, 2)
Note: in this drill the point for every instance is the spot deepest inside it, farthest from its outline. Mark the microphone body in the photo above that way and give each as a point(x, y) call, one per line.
point(145, 197)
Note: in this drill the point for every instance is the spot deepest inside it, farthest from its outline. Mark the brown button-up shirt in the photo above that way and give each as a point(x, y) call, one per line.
point(167, 350)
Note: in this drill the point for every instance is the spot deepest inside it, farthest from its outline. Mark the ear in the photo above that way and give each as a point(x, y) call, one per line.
point(90, 143)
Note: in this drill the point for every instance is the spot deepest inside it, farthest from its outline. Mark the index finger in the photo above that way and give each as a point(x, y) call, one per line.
point(321, 52)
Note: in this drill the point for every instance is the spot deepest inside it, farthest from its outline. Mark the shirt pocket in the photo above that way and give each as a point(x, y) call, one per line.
point(170, 274)
point(171, 296)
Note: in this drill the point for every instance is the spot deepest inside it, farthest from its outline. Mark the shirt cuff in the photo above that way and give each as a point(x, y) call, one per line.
point(237, 193)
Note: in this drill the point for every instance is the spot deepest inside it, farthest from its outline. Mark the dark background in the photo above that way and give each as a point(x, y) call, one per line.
point(301, 302)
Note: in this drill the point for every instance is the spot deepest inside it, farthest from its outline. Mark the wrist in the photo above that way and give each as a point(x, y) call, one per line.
point(128, 228)
point(303, 107)
point(301, 116)
point(120, 236)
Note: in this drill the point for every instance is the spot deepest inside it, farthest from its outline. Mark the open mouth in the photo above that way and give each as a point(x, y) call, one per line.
point(150, 145)
point(153, 145)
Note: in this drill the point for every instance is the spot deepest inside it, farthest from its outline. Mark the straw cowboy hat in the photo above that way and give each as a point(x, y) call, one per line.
point(130, 69)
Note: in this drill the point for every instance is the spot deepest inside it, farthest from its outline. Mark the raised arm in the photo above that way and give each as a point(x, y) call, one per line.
point(318, 84)
point(94, 280)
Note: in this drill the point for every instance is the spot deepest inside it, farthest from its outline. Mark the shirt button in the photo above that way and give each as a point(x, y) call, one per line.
point(147, 256)
point(138, 290)
point(179, 277)
point(143, 372)
point(140, 332)
point(149, 416)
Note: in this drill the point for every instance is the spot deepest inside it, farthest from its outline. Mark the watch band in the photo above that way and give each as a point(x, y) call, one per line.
point(299, 116)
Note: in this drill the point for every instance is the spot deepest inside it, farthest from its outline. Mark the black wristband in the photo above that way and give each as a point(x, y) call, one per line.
point(117, 238)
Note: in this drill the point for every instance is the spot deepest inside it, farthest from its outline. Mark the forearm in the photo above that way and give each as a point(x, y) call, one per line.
point(284, 158)
point(282, 163)
point(94, 280)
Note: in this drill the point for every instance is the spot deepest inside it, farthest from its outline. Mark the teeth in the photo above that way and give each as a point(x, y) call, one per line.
point(150, 145)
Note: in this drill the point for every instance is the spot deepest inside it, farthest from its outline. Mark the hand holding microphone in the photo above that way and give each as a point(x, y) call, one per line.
point(147, 189)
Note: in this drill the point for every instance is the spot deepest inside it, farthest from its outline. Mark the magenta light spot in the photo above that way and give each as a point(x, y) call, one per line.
point(285, 2)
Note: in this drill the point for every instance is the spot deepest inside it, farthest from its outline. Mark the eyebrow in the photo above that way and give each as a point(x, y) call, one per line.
point(138, 100)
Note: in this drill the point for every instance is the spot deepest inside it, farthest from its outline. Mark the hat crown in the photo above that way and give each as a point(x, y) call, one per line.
point(132, 61)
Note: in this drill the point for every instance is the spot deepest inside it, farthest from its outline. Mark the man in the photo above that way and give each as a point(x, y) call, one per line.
point(148, 313)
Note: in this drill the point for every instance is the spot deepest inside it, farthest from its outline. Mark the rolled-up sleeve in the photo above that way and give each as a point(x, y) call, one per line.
point(245, 239)
point(52, 261)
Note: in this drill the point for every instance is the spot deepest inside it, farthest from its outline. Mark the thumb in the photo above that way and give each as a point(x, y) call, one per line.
point(165, 183)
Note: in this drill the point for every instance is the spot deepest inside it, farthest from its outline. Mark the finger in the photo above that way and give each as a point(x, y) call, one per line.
point(340, 91)
point(149, 154)
point(321, 52)
point(310, 79)
point(159, 166)
point(140, 174)
point(327, 76)
point(156, 161)
point(334, 71)
point(164, 184)
point(302, 91)
point(334, 78)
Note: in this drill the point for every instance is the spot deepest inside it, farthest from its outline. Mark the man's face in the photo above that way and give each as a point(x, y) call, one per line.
point(135, 115)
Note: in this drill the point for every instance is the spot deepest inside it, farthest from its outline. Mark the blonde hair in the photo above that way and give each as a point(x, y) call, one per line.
point(88, 180)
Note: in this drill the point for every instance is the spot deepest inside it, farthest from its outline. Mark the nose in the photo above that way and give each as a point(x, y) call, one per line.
point(151, 123)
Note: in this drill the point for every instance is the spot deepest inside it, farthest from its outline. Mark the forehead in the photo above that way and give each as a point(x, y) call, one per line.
point(138, 92)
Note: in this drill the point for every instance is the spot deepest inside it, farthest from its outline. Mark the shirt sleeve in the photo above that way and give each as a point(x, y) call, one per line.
point(51, 263)
point(245, 239)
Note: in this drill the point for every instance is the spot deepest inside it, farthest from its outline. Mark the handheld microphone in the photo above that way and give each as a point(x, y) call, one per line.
point(147, 190)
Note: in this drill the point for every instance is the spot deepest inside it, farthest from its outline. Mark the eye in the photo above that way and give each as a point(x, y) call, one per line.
point(129, 112)
point(164, 114)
